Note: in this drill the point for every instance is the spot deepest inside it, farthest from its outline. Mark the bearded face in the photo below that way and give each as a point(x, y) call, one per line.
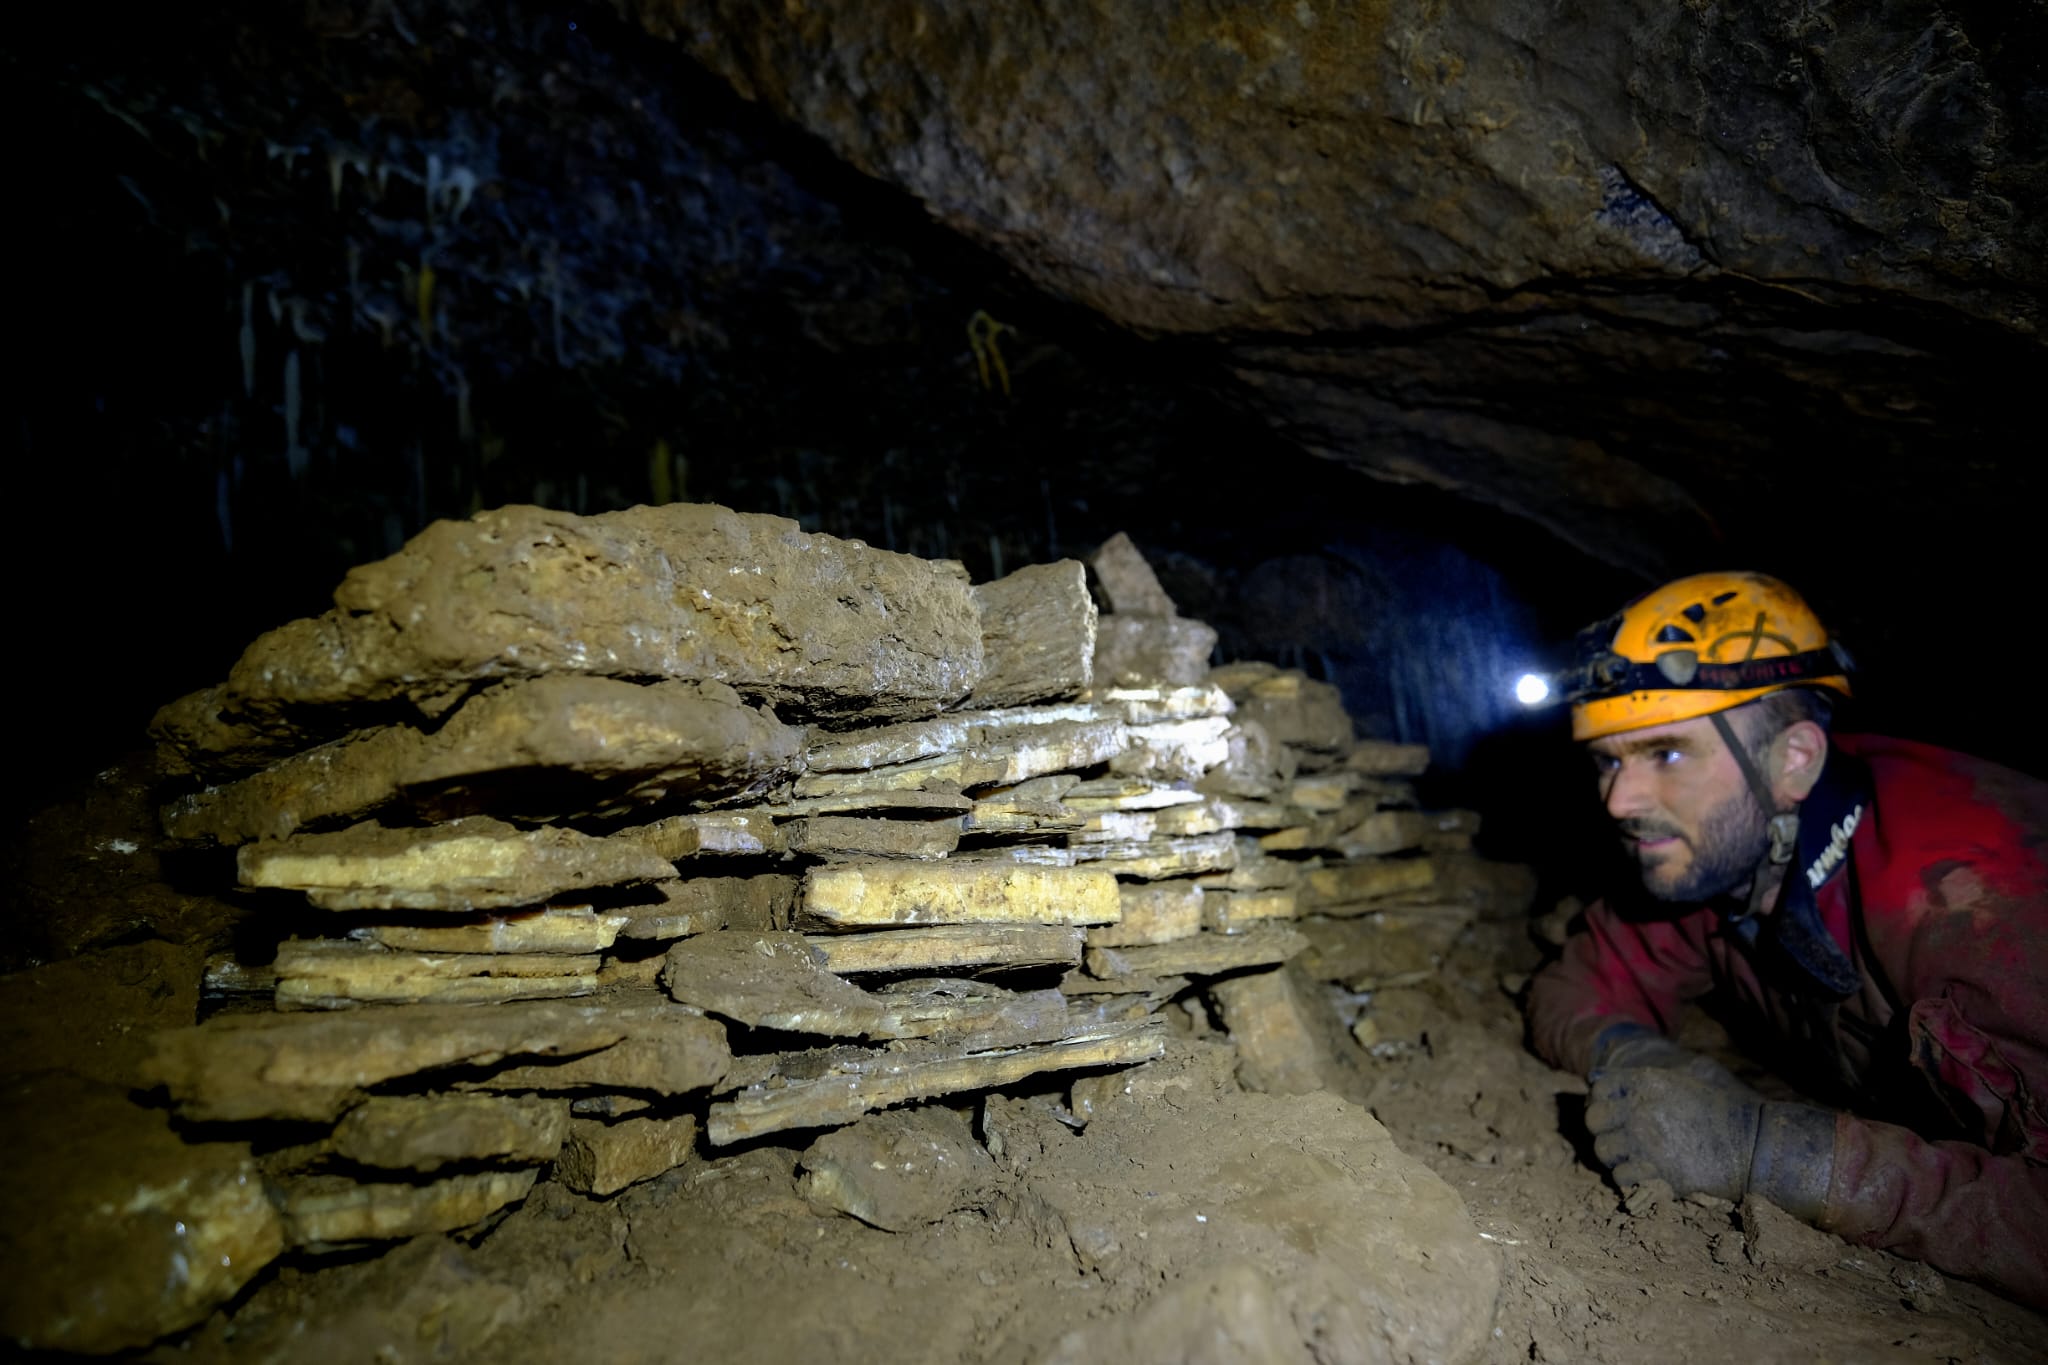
point(1717, 856)
point(1683, 809)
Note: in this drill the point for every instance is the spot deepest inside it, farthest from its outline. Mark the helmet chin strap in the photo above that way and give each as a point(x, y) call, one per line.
point(1784, 826)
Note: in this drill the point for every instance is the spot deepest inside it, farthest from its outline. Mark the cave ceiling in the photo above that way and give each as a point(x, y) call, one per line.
point(1605, 265)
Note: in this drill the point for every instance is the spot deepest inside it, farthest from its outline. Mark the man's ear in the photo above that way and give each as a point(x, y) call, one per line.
point(1797, 755)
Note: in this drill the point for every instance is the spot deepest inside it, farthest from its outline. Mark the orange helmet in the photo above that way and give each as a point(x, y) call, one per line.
point(1697, 646)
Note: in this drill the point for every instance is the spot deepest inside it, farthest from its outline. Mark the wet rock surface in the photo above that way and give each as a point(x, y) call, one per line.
point(115, 1230)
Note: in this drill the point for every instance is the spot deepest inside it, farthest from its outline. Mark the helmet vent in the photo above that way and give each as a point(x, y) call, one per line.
point(1674, 635)
point(1726, 598)
point(1694, 613)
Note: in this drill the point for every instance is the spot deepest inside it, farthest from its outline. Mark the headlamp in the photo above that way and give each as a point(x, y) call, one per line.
point(1599, 672)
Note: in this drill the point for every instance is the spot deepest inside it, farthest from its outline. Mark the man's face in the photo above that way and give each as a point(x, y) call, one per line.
point(1682, 808)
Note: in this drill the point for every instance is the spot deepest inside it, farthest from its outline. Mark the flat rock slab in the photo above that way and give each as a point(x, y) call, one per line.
point(1319, 833)
point(885, 746)
point(668, 1051)
point(949, 945)
point(1352, 885)
point(859, 1081)
point(1385, 948)
point(910, 803)
point(1127, 580)
point(325, 974)
point(1288, 1037)
point(329, 1211)
point(1136, 650)
point(1010, 754)
point(1153, 705)
point(1235, 912)
point(1112, 995)
point(847, 836)
point(768, 980)
point(564, 929)
point(1298, 711)
point(698, 905)
point(1382, 758)
point(602, 1158)
point(1128, 794)
point(1175, 750)
point(899, 1170)
point(1037, 635)
point(1394, 1270)
point(315, 1066)
point(1151, 859)
point(606, 746)
point(778, 981)
point(1257, 872)
point(866, 895)
point(1403, 831)
point(1159, 913)
point(807, 622)
point(114, 1229)
point(471, 864)
point(713, 834)
point(427, 1132)
point(1206, 954)
point(1258, 768)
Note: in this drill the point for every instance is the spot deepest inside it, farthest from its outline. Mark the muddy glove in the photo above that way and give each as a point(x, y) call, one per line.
point(1628, 1044)
point(1652, 1123)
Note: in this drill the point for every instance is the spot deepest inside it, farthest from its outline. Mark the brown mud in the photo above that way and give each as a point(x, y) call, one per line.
point(1188, 1220)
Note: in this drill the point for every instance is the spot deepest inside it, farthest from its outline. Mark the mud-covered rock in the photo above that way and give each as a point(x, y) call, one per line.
point(1137, 650)
point(1288, 1037)
point(1127, 580)
point(768, 980)
point(315, 1066)
point(1367, 1254)
point(114, 1229)
point(427, 1132)
point(331, 1210)
point(475, 863)
point(1037, 636)
point(693, 591)
point(551, 747)
point(898, 1170)
point(602, 1157)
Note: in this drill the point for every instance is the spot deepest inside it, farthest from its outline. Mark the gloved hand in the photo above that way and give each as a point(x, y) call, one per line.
point(1627, 1044)
point(1657, 1123)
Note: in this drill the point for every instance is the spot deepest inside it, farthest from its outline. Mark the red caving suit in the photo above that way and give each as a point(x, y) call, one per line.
point(1925, 1017)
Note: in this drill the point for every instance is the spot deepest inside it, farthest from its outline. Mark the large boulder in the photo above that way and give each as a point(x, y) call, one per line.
point(809, 623)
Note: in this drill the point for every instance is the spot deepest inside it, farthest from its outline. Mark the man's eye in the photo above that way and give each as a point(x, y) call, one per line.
point(1604, 764)
point(1669, 756)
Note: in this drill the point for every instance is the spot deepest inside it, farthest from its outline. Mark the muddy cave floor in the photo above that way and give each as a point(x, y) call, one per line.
point(723, 1260)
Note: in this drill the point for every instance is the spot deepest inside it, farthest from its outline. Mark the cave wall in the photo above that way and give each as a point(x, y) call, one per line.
point(303, 279)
